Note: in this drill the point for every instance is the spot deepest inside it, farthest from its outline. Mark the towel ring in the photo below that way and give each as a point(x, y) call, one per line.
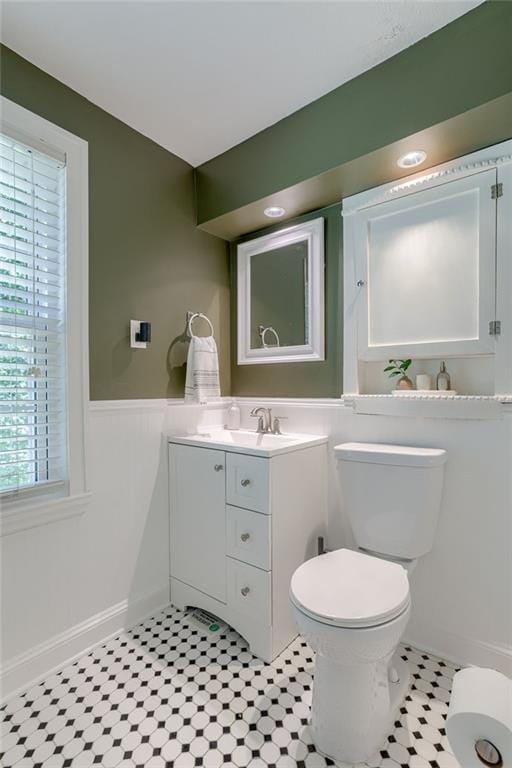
point(263, 331)
point(193, 317)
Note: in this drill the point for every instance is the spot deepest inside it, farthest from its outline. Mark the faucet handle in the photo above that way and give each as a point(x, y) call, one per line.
point(276, 424)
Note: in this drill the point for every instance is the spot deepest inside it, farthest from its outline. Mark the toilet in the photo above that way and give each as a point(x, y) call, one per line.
point(352, 607)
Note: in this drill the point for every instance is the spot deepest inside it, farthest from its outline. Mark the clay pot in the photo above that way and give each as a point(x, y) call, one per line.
point(404, 382)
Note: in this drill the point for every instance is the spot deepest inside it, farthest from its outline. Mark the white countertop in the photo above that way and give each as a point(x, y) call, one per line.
point(249, 442)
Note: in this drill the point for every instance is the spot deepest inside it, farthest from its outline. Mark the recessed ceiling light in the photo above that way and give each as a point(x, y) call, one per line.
point(416, 157)
point(274, 211)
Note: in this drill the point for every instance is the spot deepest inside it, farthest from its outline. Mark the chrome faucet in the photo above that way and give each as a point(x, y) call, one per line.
point(264, 416)
point(265, 422)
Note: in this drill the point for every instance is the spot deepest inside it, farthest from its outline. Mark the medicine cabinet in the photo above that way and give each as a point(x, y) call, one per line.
point(425, 270)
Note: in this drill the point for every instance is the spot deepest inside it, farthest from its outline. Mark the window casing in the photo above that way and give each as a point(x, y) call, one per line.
point(43, 320)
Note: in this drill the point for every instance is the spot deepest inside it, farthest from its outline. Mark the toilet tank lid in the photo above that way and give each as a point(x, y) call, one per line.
point(398, 455)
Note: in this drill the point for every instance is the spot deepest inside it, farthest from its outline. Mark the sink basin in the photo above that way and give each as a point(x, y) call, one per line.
point(245, 441)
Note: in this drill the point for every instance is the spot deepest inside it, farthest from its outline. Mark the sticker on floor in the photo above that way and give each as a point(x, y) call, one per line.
point(205, 621)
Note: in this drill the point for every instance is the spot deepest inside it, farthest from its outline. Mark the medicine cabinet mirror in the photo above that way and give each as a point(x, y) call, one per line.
point(281, 296)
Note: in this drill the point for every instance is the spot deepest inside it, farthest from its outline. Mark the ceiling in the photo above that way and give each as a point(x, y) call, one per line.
point(200, 77)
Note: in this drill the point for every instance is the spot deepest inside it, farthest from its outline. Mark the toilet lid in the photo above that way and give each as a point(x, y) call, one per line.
point(350, 589)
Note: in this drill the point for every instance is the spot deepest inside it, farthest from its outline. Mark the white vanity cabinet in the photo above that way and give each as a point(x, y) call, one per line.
point(240, 525)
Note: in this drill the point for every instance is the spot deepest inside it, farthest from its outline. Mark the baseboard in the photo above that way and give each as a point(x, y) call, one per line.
point(40, 662)
point(459, 649)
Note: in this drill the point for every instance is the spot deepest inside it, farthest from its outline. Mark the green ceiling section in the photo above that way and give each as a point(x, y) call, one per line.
point(465, 64)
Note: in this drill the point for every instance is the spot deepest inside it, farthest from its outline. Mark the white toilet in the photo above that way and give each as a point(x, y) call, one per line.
point(353, 607)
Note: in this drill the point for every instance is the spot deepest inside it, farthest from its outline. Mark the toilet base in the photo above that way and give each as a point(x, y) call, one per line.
point(354, 707)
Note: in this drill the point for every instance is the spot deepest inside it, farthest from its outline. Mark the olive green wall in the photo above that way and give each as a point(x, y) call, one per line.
point(461, 66)
point(323, 379)
point(148, 260)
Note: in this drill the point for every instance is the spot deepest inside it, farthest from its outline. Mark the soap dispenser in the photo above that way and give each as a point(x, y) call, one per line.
point(443, 379)
point(233, 417)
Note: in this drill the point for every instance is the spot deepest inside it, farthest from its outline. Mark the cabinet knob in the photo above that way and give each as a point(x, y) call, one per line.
point(245, 591)
point(245, 482)
point(218, 467)
point(245, 536)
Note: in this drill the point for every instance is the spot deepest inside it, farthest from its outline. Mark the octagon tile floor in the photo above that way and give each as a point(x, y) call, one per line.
point(169, 694)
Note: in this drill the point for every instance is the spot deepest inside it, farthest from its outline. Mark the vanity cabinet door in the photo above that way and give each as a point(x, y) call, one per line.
point(198, 518)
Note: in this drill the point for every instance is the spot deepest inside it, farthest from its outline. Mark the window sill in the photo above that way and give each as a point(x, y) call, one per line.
point(22, 516)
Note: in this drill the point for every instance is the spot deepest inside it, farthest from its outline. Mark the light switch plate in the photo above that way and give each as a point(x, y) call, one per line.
point(134, 329)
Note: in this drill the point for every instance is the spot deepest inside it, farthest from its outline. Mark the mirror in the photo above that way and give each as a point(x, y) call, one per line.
point(281, 296)
point(275, 274)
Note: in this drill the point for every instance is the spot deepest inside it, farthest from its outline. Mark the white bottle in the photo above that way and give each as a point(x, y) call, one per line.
point(233, 417)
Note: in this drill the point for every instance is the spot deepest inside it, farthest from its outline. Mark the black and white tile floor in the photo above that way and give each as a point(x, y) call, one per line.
point(166, 694)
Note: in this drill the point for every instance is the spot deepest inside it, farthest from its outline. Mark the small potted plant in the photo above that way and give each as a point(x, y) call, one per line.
point(399, 368)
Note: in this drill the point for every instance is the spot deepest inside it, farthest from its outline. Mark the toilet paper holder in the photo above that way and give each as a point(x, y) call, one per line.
point(488, 754)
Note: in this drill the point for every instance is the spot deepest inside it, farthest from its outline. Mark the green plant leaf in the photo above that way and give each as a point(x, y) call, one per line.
point(396, 373)
point(405, 364)
point(389, 368)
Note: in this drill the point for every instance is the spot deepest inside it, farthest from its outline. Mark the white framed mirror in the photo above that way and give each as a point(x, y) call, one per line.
point(280, 307)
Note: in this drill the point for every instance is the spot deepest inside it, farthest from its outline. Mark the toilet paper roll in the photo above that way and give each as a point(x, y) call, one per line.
point(479, 722)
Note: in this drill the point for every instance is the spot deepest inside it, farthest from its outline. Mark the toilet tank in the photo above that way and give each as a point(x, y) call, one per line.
point(392, 496)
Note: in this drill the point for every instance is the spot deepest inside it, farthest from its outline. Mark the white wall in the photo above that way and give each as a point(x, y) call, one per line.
point(462, 590)
point(69, 584)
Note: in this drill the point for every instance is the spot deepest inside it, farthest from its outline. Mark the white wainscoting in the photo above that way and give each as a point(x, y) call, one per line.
point(72, 582)
point(462, 590)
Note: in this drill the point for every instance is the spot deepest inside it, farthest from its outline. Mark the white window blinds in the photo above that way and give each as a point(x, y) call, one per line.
point(33, 414)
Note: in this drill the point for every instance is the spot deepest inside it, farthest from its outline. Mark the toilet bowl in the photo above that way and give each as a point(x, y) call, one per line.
point(352, 609)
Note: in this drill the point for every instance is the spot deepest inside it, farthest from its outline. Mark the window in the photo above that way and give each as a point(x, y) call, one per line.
point(44, 379)
point(33, 417)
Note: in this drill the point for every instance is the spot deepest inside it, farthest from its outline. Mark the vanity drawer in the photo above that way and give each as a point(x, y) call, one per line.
point(249, 590)
point(247, 482)
point(248, 536)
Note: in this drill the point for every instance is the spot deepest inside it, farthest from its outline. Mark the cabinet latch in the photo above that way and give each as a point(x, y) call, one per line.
point(495, 328)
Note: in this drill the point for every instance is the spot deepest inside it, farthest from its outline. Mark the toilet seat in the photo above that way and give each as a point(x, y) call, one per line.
point(350, 589)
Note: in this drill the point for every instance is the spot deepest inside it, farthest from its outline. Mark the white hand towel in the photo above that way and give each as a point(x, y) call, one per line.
point(202, 381)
